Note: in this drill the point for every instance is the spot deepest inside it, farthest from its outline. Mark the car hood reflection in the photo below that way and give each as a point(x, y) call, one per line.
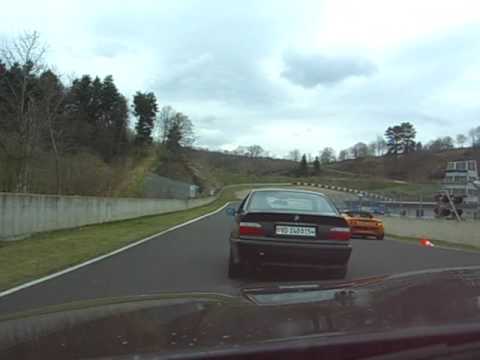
point(173, 323)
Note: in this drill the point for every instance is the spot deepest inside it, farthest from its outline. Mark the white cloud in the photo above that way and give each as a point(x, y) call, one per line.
point(316, 69)
point(258, 72)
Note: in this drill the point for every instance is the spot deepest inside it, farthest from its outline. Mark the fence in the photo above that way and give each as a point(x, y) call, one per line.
point(156, 186)
point(24, 214)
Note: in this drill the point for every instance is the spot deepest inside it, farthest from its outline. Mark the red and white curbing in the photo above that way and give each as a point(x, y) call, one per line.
point(343, 189)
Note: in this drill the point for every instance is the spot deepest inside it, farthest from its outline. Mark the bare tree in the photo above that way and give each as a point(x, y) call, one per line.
point(26, 49)
point(254, 151)
point(359, 150)
point(381, 146)
point(440, 144)
point(461, 140)
point(475, 136)
point(294, 155)
point(240, 150)
point(164, 121)
point(49, 108)
point(180, 133)
point(343, 155)
point(25, 56)
point(327, 155)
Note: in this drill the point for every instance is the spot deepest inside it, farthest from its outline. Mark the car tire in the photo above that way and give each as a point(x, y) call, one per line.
point(380, 237)
point(234, 270)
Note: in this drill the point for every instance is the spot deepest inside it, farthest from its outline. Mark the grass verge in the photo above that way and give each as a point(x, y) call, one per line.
point(436, 242)
point(45, 253)
point(391, 188)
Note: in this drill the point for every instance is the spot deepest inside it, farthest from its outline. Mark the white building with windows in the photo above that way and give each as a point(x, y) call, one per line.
point(460, 179)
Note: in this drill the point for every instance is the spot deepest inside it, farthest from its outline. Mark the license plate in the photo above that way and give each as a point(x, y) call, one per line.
point(295, 230)
point(366, 224)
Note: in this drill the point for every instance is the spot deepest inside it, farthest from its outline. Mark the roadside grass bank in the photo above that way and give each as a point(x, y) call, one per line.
point(380, 186)
point(49, 252)
point(435, 242)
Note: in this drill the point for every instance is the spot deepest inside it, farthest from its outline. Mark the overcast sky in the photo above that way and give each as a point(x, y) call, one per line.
point(282, 74)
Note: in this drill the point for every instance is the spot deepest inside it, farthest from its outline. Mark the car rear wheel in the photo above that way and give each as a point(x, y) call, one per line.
point(234, 270)
point(380, 237)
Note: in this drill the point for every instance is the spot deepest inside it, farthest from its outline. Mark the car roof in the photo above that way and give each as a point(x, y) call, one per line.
point(300, 191)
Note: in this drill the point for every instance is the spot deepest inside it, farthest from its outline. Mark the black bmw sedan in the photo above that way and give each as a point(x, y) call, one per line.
point(288, 228)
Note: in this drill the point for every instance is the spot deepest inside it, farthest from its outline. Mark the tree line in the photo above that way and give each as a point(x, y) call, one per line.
point(43, 119)
point(398, 140)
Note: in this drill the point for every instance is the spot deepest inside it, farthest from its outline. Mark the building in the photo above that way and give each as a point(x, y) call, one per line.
point(460, 178)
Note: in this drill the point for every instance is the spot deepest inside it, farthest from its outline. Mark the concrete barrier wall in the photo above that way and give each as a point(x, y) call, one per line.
point(466, 232)
point(24, 214)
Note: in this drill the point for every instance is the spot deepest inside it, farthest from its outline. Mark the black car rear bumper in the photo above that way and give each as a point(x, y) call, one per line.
point(325, 255)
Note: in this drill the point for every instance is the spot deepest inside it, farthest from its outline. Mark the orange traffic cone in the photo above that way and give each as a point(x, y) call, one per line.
point(425, 242)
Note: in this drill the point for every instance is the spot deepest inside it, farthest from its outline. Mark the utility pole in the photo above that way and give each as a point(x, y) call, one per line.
point(452, 205)
point(476, 183)
point(360, 196)
point(421, 205)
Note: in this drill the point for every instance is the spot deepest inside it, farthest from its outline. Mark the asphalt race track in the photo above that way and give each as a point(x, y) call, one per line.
point(194, 258)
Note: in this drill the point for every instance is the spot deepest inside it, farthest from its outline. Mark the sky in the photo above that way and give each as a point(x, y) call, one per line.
point(282, 74)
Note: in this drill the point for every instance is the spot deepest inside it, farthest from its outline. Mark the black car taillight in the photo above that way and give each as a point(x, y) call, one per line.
point(339, 233)
point(251, 229)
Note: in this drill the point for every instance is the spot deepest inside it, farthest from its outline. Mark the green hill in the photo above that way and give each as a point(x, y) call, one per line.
point(421, 166)
point(212, 170)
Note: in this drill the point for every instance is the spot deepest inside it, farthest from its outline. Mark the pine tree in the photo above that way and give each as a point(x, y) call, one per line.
point(401, 138)
point(145, 109)
point(394, 137)
point(408, 135)
point(303, 167)
point(112, 118)
point(316, 165)
point(99, 116)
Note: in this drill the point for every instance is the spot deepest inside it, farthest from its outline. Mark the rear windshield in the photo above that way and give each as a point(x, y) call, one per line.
point(359, 214)
point(291, 202)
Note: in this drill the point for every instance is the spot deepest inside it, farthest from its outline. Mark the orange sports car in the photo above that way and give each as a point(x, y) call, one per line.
point(362, 223)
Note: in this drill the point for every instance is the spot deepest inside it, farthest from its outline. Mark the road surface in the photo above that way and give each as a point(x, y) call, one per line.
point(194, 258)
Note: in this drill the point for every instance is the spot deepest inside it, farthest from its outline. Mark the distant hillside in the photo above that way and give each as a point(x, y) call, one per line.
point(415, 167)
point(212, 170)
point(413, 176)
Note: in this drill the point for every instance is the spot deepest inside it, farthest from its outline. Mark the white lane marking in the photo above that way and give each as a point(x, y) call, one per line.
point(101, 257)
